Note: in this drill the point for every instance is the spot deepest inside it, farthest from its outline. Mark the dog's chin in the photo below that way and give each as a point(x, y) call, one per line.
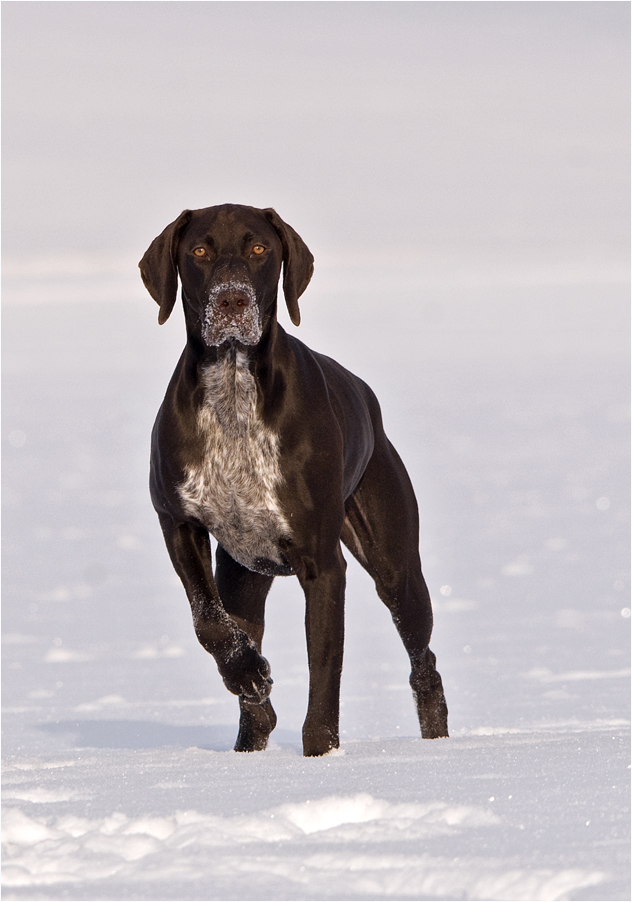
point(245, 333)
point(216, 341)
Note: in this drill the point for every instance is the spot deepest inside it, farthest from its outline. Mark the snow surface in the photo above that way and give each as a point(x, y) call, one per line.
point(119, 779)
point(390, 819)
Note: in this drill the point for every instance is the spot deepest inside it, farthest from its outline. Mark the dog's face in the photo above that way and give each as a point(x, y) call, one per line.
point(229, 260)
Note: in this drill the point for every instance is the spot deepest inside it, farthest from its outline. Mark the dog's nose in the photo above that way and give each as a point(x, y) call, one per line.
point(232, 300)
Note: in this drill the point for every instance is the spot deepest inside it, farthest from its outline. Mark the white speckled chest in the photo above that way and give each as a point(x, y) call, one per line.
point(234, 489)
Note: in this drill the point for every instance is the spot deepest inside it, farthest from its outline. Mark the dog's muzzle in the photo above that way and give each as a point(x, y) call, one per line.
point(231, 312)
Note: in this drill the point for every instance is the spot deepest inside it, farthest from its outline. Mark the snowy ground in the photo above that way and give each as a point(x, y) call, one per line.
point(509, 406)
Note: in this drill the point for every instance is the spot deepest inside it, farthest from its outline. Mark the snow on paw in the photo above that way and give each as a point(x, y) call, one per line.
point(245, 672)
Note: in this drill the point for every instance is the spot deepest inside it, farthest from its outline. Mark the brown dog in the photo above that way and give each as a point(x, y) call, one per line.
point(280, 454)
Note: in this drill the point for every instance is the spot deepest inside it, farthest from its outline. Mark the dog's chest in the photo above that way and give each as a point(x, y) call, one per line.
point(233, 487)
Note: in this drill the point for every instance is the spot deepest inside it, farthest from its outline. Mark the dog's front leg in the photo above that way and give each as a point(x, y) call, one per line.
point(245, 672)
point(324, 587)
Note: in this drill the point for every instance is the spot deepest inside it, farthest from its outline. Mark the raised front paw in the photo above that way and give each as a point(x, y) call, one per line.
point(245, 672)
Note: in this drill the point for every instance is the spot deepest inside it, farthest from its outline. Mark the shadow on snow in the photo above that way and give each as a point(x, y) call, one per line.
point(145, 734)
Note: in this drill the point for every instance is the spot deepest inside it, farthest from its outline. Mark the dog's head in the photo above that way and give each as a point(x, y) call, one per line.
point(229, 261)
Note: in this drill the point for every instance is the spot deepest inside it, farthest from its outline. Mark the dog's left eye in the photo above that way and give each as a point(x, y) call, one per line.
point(258, 249)
point(199, 251)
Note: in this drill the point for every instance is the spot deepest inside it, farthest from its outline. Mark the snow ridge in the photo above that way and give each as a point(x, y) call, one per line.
point(69, 849)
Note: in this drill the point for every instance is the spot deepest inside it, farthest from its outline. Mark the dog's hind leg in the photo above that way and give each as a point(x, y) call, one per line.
point(381, 530)
point(243, 594)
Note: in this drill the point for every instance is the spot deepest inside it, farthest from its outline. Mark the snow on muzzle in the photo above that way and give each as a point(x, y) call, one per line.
point(231, 312)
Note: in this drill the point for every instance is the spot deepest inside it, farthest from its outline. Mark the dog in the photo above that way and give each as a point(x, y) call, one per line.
point(280, 454)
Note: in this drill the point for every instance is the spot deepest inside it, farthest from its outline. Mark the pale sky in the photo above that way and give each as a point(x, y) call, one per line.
point(496, 129)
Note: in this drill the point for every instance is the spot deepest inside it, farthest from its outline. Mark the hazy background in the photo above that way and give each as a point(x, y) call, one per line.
point(490, 136)
point(460, 172)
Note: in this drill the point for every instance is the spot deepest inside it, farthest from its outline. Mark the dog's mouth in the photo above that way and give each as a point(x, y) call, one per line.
point(231, 312)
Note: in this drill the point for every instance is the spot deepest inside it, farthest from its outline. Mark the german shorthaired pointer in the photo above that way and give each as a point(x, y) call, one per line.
point(280, 454)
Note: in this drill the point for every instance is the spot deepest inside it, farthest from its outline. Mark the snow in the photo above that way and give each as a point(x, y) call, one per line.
point(453, 819)
point(119, 778)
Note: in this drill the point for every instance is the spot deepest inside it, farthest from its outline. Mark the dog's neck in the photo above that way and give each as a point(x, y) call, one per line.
point(230, 388)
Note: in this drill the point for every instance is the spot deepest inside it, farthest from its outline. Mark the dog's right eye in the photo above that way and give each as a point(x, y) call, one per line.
point(199, 251)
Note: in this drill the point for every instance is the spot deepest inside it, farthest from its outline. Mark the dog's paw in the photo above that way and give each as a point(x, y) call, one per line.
point(319, 740)
point(245, 672)
point(255, 725)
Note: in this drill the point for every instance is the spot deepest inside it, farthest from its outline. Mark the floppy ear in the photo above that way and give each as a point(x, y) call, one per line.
point(298, 264)
point(158, 267)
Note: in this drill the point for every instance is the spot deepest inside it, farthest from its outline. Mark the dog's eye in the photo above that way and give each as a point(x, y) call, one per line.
point(258, 249)
point(199, 251)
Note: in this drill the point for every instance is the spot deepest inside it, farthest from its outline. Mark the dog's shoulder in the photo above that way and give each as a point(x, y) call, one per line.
point(345, 390)
point(335, 376)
